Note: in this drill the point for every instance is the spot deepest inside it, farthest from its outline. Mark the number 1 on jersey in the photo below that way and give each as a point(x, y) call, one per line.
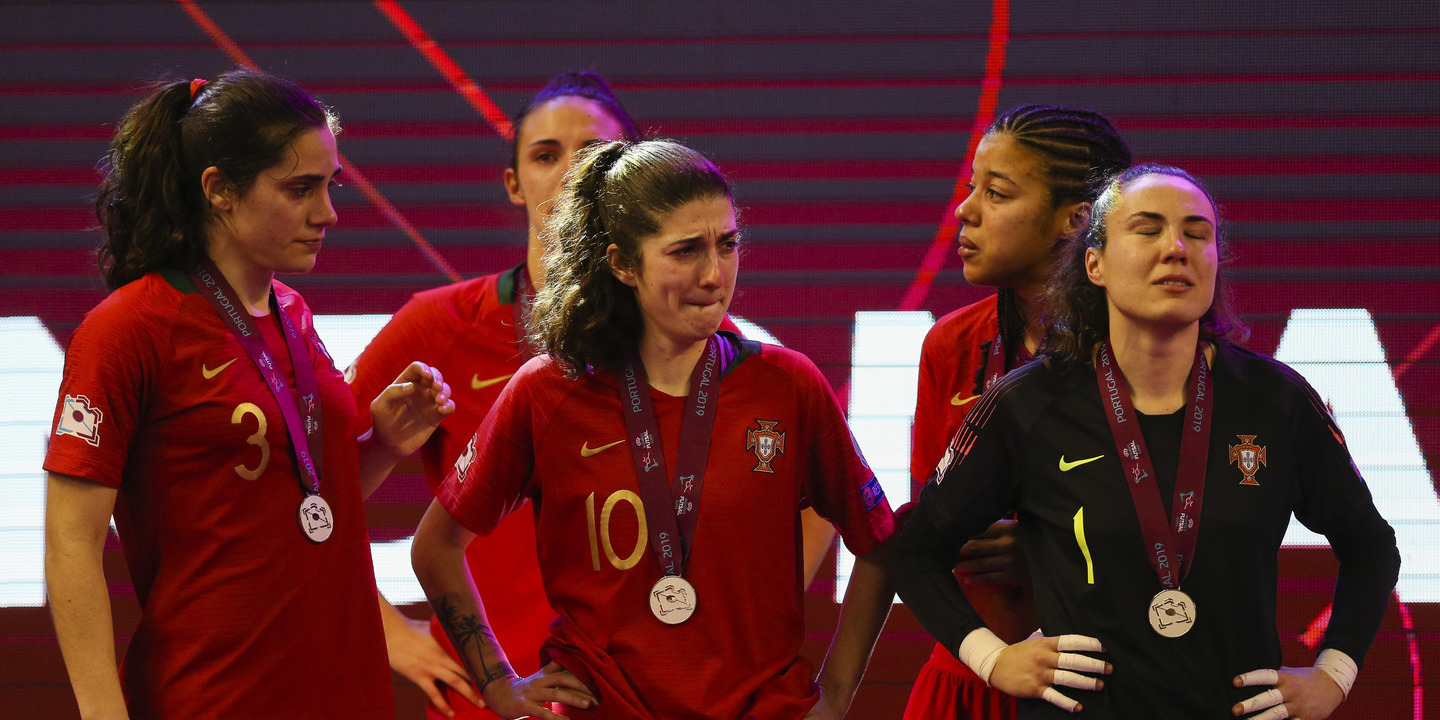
point(1084, 547)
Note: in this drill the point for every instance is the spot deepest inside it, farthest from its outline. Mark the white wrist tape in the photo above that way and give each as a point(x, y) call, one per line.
point(980, 649)
point(1336, 664)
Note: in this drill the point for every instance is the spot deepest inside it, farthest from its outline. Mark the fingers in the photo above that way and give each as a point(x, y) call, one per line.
point(1257, 677)
point(1083, 663)
point(1267, 699)
point(435, 692)
point(1275, 713)
point(1053, 696)
point(459, 682)
point(1081, 643)
point(1076, 680)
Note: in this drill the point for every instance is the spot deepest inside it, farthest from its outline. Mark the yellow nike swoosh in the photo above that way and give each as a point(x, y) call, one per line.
point(1068, 466)
point(587, 451)
point(477, 384)
point(957, 400)
point(208, 373)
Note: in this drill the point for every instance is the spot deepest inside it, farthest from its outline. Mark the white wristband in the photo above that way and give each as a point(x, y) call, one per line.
point(980, 649)
point(1338, 666)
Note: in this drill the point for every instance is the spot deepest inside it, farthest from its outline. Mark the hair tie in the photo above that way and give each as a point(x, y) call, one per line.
point(195, 86)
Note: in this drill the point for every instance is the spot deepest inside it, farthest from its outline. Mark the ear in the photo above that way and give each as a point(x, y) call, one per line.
point(512, 187)
point(217, 191)
point(1076, 221)
point(1095, 266)
point(628, 277)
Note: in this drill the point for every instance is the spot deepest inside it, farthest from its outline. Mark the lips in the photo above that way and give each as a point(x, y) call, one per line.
point(1175, 281)
point(967, 249)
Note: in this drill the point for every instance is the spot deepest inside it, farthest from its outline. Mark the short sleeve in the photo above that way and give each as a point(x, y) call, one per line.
point(112, 360)
point(927, 442)
point(839, 483)
point(491, 478)
point(418, 331)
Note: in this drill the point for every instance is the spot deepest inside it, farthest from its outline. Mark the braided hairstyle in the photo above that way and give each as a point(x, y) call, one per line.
point(616, 193)
point(1077, 312)
point(151, 205)
point(1080, 149)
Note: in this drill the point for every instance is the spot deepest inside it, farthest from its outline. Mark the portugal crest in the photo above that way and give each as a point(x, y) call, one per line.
point(1248, 456)
point(765, 443)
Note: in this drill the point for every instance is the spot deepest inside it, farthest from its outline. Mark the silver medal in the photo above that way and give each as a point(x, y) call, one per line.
point(316, 519)
point(1172, 613)
point(672, 600)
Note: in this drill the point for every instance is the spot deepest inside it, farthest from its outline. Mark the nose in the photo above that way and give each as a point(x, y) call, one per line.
point(325, 216)
point(965, 211)
point(1175, 250)
point(712, 273)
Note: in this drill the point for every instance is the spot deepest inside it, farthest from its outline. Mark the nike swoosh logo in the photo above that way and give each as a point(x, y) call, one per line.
point(957, 400)
point(477, 384)
point(208, 373)
point(587, 451)
point(1068, 466)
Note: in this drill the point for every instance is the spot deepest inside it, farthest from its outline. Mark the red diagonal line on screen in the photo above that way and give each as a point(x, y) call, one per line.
point(352, 174)
point(1418, 352)
point(989, 96)
point(441, 60)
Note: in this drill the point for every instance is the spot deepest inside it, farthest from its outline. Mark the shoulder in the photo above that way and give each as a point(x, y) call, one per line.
point(145, 307)
point(1260, 377)
point(466, 300)
point(977, 321)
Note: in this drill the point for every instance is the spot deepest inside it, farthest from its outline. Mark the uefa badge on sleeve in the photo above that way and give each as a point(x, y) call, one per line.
point(80, 419)
point(1249, 457)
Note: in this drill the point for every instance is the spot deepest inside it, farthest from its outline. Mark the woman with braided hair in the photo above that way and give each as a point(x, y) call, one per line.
point(1036, 171)
point(672, 603)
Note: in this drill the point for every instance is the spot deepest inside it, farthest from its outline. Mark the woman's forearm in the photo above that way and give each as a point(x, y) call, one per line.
point(867, 604)
point(77, 517)
point(438, 555)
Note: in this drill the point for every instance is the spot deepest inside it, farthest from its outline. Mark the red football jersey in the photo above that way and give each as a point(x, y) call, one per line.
point(467, 331)
point(561, 443)
point(950, 360)
point(243, 616)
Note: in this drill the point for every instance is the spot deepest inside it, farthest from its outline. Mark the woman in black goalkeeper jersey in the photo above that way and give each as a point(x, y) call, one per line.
point(1154, 467)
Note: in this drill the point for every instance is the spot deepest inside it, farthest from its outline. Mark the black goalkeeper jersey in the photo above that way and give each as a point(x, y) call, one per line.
point(1038, 444)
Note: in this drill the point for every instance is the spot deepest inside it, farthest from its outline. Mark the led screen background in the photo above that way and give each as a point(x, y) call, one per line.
point(845, 127)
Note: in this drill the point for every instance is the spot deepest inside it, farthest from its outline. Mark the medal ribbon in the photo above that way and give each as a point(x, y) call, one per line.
point(1183, 529)
point(671, 511)
point(303, 432)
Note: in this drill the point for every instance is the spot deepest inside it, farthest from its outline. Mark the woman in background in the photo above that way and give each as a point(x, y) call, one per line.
point(1036, 171)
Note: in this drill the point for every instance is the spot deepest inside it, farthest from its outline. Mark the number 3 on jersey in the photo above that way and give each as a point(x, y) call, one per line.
point(257, 439)
point(602, 523)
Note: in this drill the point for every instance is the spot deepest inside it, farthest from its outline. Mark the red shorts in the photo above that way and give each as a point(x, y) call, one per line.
point(947, 689)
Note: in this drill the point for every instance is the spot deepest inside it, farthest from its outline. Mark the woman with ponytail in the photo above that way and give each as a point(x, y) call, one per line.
point(1036, 171)
point(199, 407)
point(672, 603)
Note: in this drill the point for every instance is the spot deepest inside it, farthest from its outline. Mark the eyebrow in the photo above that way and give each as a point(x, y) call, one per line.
point(1146, 215)
point(1002, 176)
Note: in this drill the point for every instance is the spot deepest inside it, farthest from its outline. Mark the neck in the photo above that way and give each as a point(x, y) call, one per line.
point(1030, 306)
point(251, 283)
point(668, 363)
point(534, 260)
point(1156, 364)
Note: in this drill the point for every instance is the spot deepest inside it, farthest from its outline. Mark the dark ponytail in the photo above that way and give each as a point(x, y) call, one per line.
point(617, 192)
point(151, 207)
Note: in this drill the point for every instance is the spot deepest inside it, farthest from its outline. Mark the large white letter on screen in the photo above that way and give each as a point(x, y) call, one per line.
point(884, 376)
point(1339, 353)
